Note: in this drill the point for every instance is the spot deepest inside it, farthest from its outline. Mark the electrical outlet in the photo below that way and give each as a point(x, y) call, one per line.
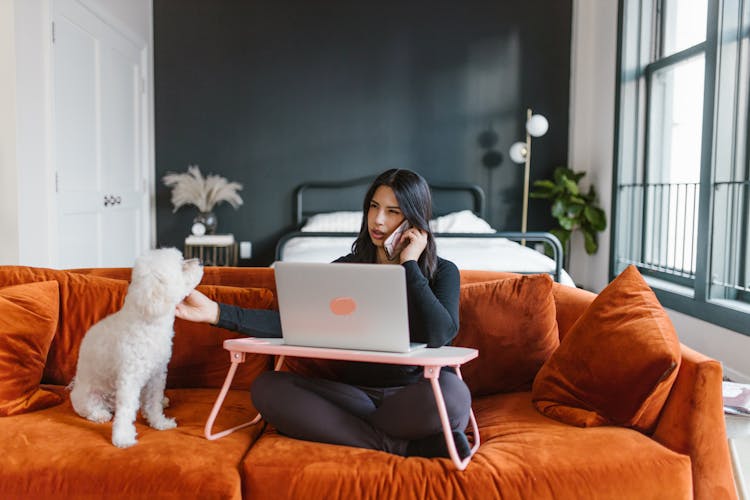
point(246, 249)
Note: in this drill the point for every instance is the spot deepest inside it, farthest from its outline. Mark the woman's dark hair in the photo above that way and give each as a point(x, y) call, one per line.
point(415, 201)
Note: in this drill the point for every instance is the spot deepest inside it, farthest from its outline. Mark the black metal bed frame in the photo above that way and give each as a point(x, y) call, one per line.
point(476, 192)
point(478, 208)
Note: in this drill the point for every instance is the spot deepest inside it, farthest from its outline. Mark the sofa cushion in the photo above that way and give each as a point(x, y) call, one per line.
point(54, 453)
point(523, 455)
point(617, 363)
point(512, 323)
point(28, 319)
point(84, 300)
point(198, 356)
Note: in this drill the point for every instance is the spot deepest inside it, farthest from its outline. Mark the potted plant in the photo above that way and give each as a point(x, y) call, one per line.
point(191, 188)
point(573, 209)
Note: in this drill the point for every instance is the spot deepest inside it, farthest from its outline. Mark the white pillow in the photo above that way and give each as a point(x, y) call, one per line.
point(350, 222)
point(334, 222)
point(464, 221)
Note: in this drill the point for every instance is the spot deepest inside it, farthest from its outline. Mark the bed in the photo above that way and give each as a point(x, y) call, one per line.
point(328, 217)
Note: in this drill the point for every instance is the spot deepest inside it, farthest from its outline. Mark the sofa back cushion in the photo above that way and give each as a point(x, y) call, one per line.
point(512, 323)
point(509, 318)
point(570, 302)
point(243, 277)
point(198, 360)
point(84, 300)
point(617, 363)
point(198, 356)
point(28, 319)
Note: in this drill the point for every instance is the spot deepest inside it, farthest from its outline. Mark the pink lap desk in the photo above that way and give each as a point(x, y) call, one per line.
point(431, 359)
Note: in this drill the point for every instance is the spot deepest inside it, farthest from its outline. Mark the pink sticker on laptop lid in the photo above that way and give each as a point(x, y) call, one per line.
point(342, 306)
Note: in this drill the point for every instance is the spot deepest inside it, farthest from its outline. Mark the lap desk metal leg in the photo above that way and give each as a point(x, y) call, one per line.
point(236, 358)
point(433, 373)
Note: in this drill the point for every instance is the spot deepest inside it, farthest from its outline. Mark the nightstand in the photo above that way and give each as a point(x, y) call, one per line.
point(212, 249)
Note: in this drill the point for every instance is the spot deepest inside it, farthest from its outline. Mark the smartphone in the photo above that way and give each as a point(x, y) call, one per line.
point(391, 243)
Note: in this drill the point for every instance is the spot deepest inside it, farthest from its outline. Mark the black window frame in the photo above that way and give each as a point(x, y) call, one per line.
point(690, 296)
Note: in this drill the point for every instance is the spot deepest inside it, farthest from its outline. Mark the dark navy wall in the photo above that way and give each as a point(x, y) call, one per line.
point(275, 93)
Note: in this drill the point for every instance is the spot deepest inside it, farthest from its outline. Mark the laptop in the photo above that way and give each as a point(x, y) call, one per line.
point(344, 306)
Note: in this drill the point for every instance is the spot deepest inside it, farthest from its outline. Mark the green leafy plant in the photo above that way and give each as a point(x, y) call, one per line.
point(572, 208)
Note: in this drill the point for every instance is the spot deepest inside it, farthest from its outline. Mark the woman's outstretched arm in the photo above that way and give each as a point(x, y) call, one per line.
point(255, 322)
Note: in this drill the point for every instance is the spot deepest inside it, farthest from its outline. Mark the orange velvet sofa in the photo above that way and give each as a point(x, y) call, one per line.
point(527, 449)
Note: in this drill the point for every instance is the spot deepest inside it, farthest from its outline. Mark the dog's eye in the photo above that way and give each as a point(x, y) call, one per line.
point(188, 262)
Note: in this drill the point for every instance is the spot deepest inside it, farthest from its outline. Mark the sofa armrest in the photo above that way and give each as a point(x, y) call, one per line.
point(692, 423)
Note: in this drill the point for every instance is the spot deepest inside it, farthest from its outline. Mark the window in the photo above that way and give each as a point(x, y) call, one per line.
point(682, 194)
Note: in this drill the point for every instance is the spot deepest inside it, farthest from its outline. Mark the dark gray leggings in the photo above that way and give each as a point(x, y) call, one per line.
point(376, 418)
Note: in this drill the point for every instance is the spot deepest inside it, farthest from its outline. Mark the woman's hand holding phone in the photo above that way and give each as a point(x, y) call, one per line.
point(414, 241)
point(406, 243)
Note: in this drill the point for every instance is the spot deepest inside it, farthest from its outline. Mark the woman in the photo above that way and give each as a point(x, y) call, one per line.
point(377, 406)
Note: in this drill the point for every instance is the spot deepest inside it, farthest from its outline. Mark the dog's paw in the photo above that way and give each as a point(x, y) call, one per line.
point(99, 416)
point(164, 423)
point(123, 433)
point(165, 402)
point(123, 440)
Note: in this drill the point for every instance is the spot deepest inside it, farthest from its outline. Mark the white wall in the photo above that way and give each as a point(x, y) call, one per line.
point(592, 119)
point(8, 173)
point(36, 189)
point(591, 148)
point(731, 348)
point(27, 182)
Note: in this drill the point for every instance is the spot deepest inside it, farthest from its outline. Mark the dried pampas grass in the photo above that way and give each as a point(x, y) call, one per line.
point(191, 188)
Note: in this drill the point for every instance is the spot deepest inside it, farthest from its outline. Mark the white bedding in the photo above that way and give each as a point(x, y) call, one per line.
point(464, 221)
point(492, 254)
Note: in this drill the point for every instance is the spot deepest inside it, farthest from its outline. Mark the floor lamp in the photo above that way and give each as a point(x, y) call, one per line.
point(520, 152)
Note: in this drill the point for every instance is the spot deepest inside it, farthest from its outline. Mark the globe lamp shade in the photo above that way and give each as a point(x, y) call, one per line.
point(537, 126)
point(518, 152)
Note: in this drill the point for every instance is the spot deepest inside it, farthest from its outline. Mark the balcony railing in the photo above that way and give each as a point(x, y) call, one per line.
point(662, 221)
point(730, 261)
point(660, 228)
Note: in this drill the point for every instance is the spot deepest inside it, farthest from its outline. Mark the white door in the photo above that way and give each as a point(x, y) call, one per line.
point(98, 92)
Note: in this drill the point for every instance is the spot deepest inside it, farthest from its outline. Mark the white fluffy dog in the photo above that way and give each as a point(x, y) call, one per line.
point(122, 364)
